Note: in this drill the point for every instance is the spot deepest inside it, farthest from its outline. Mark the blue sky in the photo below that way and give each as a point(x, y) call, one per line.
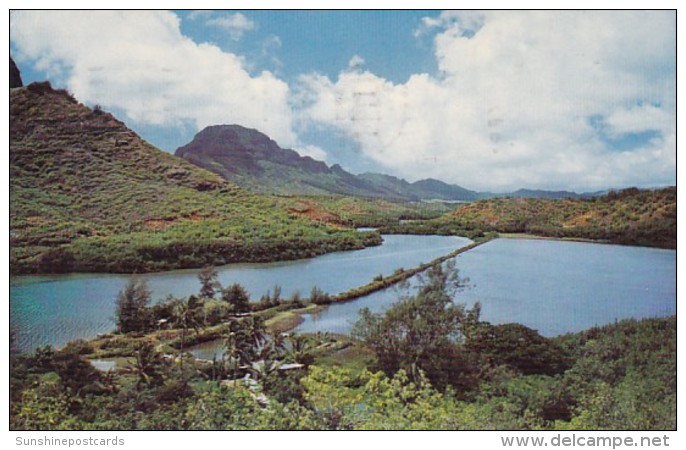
point(290, 43)
point(494, 100)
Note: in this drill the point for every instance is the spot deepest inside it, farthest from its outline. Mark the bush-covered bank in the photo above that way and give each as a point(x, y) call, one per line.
point(380, 282)
point(141, 252)
point(630, 216)
point(425, 364)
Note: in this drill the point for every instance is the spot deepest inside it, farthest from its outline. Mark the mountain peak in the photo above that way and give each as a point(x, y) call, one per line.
point(234, 138)
point(251, 159)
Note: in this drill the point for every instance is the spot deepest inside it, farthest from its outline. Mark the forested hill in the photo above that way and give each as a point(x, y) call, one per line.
point(254, 161)
point(630, 216)
point(88, 194)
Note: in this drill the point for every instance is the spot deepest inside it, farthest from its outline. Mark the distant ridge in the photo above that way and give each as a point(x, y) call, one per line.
point(252, 160)
point(541, 193)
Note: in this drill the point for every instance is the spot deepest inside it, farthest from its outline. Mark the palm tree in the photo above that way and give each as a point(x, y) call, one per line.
point(186, 316)
point(236, 353)
point(300, 349)
point(263, 368)
point(255, 331)
point(147, 366)
point(278, 342)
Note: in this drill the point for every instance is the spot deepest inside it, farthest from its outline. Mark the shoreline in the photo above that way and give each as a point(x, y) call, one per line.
point(540, 237)
point(536, 237)
point(286, 321)
point(287, 324)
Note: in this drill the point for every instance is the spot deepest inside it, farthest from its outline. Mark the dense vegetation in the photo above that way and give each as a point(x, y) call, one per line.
point(87, 194)
point(425, 364)
point(362, 212)
point(630, 216)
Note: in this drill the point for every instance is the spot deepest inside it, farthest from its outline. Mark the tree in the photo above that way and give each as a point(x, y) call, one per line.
point(237, 296)
point(518, 347)
point(186, 314)
point(254, 331)
point(276, 295)
point(132, 307)
point(208, 282)
point(423, 333)
point(319, 297)
point(300, 349)
point(148, 366)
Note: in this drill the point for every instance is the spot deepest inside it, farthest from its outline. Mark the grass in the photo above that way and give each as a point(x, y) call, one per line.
point(284, 321)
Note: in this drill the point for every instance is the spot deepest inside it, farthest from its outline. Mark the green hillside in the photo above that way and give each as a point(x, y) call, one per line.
point(88, 194)
point(631, 216)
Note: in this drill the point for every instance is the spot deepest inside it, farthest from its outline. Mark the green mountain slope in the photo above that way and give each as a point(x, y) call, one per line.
point(88, 194)
point(252, 160)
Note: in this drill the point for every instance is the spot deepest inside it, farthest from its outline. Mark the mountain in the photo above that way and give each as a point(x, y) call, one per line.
point(436, 189)
point(537, 193)
point(390, 186)
point(88, 194)
point(15, 75)
point(252, 160)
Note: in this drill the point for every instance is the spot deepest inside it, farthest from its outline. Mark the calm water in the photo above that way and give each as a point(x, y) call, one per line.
point(56, 309)
point(554, 287)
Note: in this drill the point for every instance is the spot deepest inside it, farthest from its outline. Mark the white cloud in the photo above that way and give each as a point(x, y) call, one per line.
point(515, 101)
point(312, 151)
point(522, 98)
point(638, 119)
point(235, 24)
point(140, 62)
point(356, 62)
point(199, 14)
point(269, 51)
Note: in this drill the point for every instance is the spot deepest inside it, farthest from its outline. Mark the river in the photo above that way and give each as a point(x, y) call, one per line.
point(554, 287)
point(55, 309)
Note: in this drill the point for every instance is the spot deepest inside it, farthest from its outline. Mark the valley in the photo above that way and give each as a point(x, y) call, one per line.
point(238, 285)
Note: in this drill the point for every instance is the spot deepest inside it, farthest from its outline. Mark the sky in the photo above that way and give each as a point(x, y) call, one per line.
point(492, 101)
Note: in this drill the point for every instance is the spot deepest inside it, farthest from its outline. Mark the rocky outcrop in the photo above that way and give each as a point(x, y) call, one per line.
point(15, 75)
